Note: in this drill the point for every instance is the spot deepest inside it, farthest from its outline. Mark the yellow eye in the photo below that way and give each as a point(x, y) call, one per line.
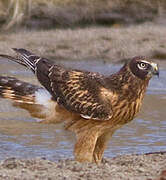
point(142, 65)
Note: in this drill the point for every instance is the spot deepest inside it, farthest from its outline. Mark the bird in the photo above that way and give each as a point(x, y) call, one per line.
point(91, 105)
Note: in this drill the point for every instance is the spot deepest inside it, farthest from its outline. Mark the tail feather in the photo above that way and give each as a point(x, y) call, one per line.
point(36, 100)
point(17, 90)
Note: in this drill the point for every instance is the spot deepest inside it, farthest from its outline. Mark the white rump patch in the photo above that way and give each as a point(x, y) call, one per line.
point(43, 97)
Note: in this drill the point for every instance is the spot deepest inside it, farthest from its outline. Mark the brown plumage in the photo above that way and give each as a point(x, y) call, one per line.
point(90, 104)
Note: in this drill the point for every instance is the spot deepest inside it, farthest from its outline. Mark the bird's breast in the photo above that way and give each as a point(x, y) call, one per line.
point(124, 110)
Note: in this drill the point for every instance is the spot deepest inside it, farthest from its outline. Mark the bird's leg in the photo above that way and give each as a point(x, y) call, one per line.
point(100, 146)
point(85, 145)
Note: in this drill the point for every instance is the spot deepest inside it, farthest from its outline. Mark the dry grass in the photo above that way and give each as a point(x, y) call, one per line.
point(69, 12)
point(99, 43)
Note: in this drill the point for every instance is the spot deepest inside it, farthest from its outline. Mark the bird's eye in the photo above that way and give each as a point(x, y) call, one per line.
point(142, 65)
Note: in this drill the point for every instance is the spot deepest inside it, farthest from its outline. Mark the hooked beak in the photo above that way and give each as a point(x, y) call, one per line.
point(155, 69)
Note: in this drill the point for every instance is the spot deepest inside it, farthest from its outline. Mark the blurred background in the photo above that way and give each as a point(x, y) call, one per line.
point(71, 13)
point(84, 29)
point(89, 35)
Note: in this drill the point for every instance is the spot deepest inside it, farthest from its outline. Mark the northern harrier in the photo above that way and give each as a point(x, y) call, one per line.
point(91, 105)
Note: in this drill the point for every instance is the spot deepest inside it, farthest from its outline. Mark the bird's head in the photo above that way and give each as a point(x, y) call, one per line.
point(143, 68)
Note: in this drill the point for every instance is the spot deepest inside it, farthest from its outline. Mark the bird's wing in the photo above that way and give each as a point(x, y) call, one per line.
point(80, 92)
point(77, 91)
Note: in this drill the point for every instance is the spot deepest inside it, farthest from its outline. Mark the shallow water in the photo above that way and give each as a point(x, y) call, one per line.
point(22, 137)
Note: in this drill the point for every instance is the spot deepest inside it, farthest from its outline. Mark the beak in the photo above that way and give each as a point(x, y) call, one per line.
point(155, 69)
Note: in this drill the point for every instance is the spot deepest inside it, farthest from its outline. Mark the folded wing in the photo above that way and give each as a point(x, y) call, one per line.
point(77, 91)
point(80, 92)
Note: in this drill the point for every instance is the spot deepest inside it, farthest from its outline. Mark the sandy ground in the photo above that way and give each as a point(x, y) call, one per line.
point(108, 44)
point(136, 167)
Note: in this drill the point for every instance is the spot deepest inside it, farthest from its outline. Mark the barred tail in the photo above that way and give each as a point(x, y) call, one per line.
point(36, 100)
point(17, 90)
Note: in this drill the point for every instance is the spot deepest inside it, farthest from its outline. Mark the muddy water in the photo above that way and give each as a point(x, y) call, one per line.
point(21, 136)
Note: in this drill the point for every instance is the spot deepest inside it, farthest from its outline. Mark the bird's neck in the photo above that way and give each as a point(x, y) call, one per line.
point(125, 80)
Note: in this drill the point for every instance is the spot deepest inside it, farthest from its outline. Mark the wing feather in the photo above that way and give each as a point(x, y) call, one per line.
point(79, 92)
